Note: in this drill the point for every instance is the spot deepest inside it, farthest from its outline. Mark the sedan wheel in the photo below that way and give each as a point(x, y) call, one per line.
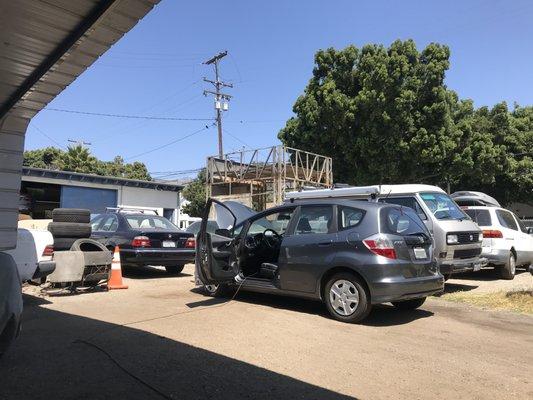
point(346, 298)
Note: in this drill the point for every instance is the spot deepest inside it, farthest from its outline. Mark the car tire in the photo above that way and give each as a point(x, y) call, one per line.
point(509, 269)
point(409, 304)
point(174, 269)
point(69, 230)
point(76, 215)
point(347, 298)
point(7, 336)
point(63, 244)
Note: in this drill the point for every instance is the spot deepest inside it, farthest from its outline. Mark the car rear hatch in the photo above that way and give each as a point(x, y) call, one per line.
point(410, 241)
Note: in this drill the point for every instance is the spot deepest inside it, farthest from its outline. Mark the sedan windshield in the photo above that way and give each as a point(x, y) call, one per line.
point(150, 222)
point(442, 206)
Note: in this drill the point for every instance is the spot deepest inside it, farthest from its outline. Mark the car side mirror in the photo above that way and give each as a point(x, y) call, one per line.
point(223, 232)
point(530, 230)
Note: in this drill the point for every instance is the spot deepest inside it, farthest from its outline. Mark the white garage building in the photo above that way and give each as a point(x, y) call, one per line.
point(43, 190)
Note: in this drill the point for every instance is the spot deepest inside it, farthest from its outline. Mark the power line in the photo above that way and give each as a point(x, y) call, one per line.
point(49, 138)
point(169, 143)
point(236, 138)
point(127, 116)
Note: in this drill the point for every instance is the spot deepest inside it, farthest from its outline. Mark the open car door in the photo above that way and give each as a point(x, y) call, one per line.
point(215, 252)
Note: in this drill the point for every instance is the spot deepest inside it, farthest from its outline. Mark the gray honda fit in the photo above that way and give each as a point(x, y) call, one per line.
point(349, 254)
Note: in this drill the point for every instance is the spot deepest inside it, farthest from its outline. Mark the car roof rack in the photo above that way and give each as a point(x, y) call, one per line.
point(130, 210)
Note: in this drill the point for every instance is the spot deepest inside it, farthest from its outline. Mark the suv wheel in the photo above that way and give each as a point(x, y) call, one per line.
point(346, 298)
point(509, 269)
point(409, 304)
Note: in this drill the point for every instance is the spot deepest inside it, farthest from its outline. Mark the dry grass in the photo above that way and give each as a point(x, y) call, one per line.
point(520, 301)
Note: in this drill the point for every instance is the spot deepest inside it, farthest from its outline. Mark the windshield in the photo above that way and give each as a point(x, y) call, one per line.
point(442, 206)
point(149, 222)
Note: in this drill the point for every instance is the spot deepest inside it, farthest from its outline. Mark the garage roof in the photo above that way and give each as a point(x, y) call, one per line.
point(46, 44)
point(104, 180)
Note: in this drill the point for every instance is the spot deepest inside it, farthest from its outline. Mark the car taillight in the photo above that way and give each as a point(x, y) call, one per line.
point(190, 243)
point(380, 245)
point(48, 251)
point(141, 241)
point(492, 234)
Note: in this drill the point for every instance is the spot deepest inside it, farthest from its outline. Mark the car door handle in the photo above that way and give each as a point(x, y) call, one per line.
point(325, 244)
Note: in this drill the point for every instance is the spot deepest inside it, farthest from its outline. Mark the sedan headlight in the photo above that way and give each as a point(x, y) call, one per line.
point(452, 239)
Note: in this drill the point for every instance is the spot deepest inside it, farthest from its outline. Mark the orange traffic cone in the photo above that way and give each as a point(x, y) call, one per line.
point(115, 280)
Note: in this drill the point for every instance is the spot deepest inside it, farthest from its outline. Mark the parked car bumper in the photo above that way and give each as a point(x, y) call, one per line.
point(459, 266)
point(165, 257)
point(404, 289)
point(44, 268)
point(495, 256)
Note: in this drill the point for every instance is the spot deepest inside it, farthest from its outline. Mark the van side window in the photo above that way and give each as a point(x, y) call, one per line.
point(349, 217)
point(410, 202)
point(506, 219)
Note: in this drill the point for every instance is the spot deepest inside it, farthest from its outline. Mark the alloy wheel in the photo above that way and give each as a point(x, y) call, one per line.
point(344, 297)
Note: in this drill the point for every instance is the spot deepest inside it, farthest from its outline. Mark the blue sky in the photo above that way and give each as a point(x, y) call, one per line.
point(156, 69)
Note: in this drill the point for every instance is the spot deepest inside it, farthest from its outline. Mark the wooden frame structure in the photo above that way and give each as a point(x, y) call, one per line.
point(259, 178)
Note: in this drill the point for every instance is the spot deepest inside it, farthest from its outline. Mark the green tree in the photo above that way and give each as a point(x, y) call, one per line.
point(386, 116)
point(195, 193)
point(42, 158)
point(79, 159)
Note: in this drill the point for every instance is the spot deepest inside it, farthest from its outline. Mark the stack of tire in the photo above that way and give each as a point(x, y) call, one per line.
point(69, 225)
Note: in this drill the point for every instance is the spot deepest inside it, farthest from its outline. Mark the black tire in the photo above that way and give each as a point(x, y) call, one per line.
point(88, 245)
point(62, 244)
point(409, 304)
point(76, 215)
point(363, 306)
point(509, 269)
point(69, 230)
point(174, 269)
point(7, 336)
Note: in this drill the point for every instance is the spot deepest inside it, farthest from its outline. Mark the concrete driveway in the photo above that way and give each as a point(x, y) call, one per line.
point(188, 346)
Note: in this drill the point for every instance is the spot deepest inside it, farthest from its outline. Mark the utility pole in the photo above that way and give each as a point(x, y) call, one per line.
point(80, 143)
point(221, 99)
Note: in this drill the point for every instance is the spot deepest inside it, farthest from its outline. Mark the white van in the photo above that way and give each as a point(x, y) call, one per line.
point(457, 238)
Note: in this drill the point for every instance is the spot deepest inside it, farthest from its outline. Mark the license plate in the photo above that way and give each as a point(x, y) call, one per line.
point(169, 243)
point(420, 252)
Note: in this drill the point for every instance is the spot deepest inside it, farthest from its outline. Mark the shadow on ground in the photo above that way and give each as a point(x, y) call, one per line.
point(486, 274)
point(149, 272)
point(381, 315)
point(49, 361)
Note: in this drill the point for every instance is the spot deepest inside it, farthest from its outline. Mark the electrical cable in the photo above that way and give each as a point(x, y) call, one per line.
point(169, 143)
point(50, 138)
point(127, 116)
point(146, 384)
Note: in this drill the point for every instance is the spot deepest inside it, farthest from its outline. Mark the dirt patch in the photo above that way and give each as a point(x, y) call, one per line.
point(520, 301)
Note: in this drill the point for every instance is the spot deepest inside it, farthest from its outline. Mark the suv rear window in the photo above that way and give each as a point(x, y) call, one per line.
point(480, 217)
point(402, 221)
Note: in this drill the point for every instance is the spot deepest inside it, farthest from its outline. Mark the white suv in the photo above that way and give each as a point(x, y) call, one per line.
point(506, 242)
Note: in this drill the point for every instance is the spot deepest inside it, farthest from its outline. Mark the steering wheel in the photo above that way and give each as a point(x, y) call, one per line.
point(271, 240)
point(252, 242)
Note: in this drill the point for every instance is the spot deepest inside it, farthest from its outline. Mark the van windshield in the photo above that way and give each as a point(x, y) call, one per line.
point(442, 206)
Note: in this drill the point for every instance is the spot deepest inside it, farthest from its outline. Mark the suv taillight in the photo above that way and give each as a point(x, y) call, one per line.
point(190, 243)
point(48, 251)
point(492, 234)
point(380, 245)
point(141, 241)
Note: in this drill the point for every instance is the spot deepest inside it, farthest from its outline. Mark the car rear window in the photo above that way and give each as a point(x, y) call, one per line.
point(506, 219)
point(402, 221)
point(349, 217)
point(149, 222)
point(480, 217)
